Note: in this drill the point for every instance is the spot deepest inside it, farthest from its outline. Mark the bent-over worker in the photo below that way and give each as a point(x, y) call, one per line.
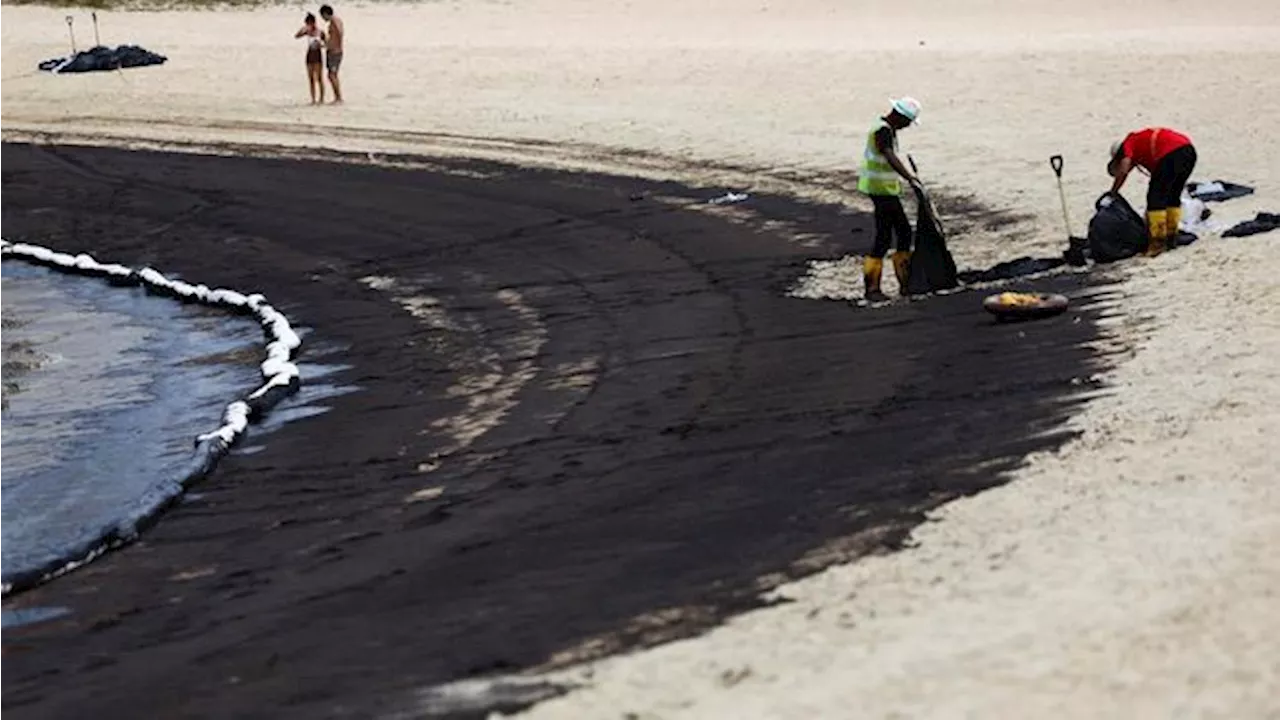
point(879, 179)
point(1169, 157)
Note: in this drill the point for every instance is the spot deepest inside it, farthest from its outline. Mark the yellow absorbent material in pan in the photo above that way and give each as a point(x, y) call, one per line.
point(1012, 298)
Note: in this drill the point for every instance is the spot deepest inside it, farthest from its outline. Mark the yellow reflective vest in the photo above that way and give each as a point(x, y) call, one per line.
point(877, 176)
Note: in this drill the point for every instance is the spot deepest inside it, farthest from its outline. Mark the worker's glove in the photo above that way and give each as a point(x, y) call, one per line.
point(916, 184)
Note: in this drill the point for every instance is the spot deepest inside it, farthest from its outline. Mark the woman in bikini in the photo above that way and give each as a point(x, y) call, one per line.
point(315, 64)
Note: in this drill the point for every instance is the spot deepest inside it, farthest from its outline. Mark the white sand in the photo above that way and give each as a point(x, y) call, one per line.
point(1133, 573)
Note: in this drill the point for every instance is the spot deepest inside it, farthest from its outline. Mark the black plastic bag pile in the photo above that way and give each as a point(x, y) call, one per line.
point(103, 58)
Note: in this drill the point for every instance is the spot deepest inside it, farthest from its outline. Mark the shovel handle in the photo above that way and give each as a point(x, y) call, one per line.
point(1055, 162)
point(913, 164)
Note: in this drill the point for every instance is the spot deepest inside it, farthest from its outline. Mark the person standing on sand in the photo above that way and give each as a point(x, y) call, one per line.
point(315, 41)
point(1169, 157)
point(333, 49)
point(878, 178)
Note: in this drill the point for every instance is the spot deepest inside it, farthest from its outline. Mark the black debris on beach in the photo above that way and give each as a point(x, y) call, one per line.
point(1217, 190)
point(103, 58)
point(1263, 222)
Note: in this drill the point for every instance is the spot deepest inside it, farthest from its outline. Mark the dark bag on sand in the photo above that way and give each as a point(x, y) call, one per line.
point(932, 267)
point(1116, 231)
point(103, 58)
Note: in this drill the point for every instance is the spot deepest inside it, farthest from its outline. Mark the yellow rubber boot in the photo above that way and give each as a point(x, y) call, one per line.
point(1172, 219)
point(872, 268)
point(901, 268)
point(1157, 232)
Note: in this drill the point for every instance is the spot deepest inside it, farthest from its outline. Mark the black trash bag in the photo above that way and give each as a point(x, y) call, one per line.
point(98, 58)
point(133, 56)
point(932, 267)
point(1116, 231)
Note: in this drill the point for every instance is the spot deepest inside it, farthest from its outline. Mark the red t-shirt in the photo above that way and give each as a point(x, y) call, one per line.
point(1147, 147)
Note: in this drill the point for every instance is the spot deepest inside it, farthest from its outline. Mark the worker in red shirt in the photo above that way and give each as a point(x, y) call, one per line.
point(1168, 157)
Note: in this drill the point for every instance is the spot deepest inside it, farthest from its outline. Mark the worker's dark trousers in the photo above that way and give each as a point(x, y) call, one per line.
point(891, 220)
point(1169, 178)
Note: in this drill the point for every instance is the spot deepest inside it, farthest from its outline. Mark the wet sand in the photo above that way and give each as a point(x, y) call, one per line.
point(590, 419)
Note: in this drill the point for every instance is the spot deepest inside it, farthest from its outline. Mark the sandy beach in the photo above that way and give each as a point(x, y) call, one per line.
point(1124, 573)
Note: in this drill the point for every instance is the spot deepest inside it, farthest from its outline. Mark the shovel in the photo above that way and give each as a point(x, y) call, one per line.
point(1055, 162)
point(1075, 246)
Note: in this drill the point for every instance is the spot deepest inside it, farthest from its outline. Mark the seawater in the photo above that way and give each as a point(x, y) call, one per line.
point(105, 389)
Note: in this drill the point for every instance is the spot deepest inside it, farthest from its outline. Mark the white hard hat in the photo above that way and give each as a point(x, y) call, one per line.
point(907, 107)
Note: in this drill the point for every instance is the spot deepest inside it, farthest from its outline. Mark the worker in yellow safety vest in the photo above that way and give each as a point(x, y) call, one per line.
point(880, 178)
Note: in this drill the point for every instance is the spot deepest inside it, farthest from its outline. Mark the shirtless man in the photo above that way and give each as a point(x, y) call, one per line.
point(333, 49)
